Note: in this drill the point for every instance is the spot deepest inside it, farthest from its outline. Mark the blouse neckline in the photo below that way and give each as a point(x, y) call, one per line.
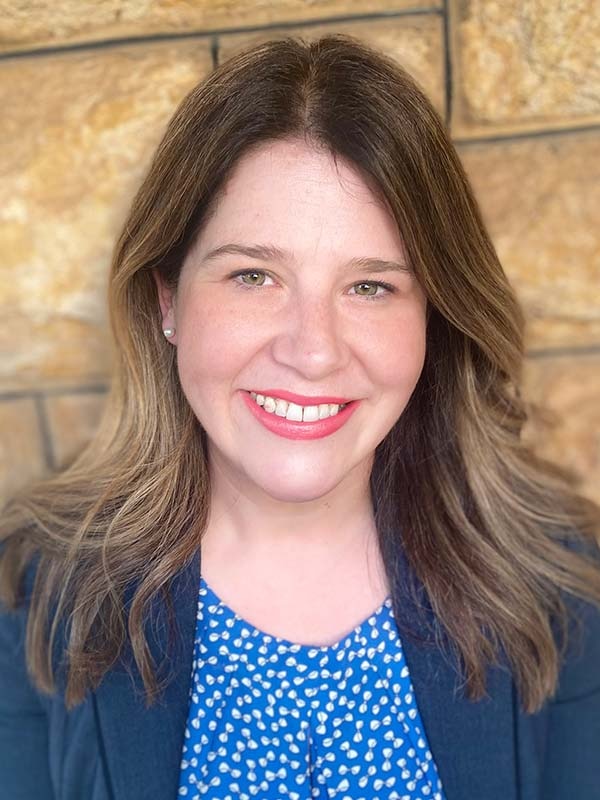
point(230, 618)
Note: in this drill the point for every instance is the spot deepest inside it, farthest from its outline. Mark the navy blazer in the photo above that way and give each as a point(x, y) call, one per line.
point(111, 747)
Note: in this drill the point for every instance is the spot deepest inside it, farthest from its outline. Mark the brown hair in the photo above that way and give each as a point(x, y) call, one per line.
point(485, 524)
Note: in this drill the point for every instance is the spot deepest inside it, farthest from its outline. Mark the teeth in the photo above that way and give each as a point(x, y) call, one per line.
point(293, 411)
point(280, 407)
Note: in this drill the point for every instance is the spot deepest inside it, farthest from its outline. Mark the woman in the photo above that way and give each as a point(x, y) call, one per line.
point(307, 554)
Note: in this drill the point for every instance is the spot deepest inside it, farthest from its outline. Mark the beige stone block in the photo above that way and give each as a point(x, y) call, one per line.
point(24, 23)
point(21, 445)
point(568, 388)
point(72, 421)
point(415, 41)
point(77, 132)
point(540, 200)
point(523, 65)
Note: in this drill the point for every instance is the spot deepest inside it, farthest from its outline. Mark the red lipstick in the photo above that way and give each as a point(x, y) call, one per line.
point(290, 429)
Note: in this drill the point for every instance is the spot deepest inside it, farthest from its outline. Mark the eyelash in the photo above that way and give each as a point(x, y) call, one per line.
point(390, 288)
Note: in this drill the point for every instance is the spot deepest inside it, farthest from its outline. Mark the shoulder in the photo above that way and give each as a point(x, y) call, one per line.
point(14, 619)
point(579, 673)
point(580, 662)
point(16, 690)
point(572, 720)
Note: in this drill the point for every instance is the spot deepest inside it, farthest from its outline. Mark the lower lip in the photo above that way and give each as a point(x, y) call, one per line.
point(300, 430)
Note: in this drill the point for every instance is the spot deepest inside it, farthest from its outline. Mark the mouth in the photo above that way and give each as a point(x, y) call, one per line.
point(294, 421)
point(305, 412)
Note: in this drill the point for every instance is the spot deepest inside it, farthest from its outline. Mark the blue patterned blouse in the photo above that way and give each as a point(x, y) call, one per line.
point(270, 719)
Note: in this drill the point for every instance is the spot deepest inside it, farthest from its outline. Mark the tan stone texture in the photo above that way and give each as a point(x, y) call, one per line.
point(25, 23)
point(568, 388)
point(21, 447)
point(522, 64)
point(415, 41)
point(540, 199)
point(77, 132)
point(72, 421)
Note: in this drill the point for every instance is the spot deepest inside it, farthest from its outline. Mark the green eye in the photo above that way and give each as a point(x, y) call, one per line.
point(254, 275)
point(370, 286)
point(389, 289)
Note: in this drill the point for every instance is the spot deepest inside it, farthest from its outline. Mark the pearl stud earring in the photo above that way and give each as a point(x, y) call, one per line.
point(168, 332)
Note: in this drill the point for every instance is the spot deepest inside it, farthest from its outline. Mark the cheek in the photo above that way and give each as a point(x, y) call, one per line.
point(396, 351)
point(210, 341)
point(404, 366)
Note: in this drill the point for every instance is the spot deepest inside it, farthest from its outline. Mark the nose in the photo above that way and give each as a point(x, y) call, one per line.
point(310, 338)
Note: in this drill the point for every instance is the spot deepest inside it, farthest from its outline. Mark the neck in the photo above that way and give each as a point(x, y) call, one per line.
point(324, 548)
point(253, 521)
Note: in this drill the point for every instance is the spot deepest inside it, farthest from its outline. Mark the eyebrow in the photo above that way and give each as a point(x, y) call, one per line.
point(264, 252)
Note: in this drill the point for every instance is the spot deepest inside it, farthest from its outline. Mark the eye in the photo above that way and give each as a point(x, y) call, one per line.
point(254, 273)
point(389, 289)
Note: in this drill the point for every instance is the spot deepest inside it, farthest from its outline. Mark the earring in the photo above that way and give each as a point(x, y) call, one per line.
point(168, 332)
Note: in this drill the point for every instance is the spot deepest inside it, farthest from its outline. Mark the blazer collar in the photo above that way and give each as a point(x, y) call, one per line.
point(142, 746)
point(472, 742)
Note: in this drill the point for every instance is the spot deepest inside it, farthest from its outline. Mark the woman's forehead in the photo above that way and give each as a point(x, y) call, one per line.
point(296, 196)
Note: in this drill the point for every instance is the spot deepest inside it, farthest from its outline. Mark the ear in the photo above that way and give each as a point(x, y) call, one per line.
point(166, 299)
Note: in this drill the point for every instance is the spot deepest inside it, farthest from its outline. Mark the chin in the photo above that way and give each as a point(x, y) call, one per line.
point(296, 493)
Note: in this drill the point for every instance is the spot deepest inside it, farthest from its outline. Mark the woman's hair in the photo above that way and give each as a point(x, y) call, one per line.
point(490, 532)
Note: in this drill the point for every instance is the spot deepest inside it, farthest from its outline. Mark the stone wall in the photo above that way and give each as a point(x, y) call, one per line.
point(87, 88)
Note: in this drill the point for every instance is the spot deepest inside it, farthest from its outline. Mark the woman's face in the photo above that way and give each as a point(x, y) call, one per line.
point(307, 319)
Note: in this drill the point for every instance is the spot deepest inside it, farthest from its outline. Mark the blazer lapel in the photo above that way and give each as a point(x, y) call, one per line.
point(142, 747)
point(473, 743)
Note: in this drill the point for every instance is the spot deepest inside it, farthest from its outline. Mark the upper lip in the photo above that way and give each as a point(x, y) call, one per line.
point(300, 399)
